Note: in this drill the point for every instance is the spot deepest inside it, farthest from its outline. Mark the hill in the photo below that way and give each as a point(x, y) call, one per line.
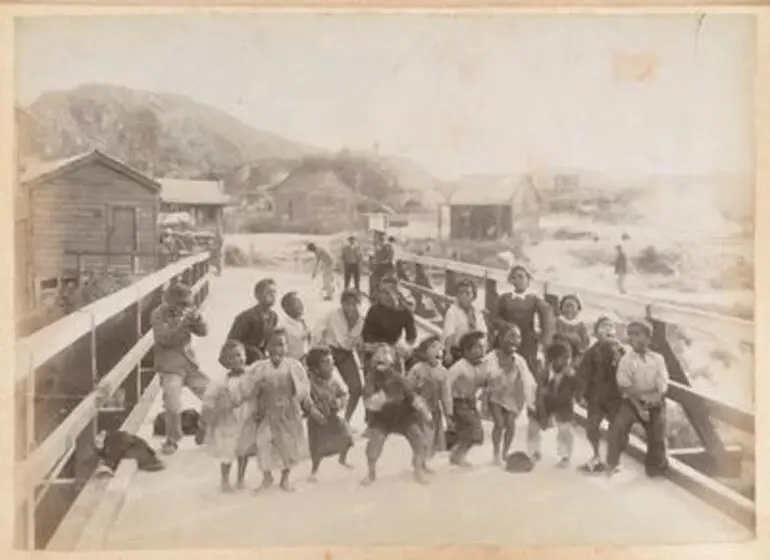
point(162, 134)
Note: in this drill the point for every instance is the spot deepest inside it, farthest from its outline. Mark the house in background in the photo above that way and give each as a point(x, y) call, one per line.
point(316, 199)
point(89, 212)
point(490, 207)
point(203, 201)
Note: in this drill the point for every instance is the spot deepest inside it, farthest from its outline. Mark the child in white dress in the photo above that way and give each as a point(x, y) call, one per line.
point(230, 427)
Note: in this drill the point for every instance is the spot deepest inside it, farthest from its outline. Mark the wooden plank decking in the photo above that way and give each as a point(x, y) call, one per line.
point(181, 507)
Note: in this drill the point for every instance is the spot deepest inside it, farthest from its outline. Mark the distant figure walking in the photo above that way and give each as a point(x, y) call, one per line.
point(325, 262)
point(351, 262)
point(621, 268)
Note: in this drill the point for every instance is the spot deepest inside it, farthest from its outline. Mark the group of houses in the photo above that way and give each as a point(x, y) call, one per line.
point(93, 212)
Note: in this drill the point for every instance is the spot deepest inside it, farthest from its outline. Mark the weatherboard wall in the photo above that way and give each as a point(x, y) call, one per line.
point(72, 213)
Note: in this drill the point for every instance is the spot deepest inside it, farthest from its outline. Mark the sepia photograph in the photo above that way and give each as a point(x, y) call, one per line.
point(383, 278)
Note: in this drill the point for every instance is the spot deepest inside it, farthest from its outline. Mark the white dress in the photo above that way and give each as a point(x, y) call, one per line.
point(230, 429)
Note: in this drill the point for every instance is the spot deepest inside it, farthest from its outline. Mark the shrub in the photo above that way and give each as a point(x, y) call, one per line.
point(93, 286)
point(653, 261)
point(235, 256)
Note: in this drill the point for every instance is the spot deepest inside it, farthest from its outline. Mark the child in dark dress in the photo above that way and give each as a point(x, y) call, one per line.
point(329, 436)
point(557, 403)
point(393, 408)
point(599, 385)
point(520, 308)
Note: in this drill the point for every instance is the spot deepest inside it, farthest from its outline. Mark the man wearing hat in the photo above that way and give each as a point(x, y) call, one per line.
point(643, 381)
point(173, 324)
point(351, 263)
point(382, 261)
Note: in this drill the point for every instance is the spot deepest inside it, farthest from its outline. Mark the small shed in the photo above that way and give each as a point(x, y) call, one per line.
point(315, 198)
point(87, 212)
point(203, 201)
point(490, 207)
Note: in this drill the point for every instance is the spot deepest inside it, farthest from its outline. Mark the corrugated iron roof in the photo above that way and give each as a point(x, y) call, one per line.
point(479, 190)
point(189, 191)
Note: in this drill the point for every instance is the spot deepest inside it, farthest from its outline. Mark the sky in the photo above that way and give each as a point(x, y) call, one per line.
point(458, 94)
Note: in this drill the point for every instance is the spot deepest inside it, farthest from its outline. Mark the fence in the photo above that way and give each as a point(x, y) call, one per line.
point(66, 375)
point(697, 468)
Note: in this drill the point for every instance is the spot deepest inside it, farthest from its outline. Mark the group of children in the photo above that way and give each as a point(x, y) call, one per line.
point(260, 409)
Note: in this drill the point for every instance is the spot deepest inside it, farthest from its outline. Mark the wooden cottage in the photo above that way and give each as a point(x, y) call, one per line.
point(316, 199)
point(89, 212)
point(203, 201)
point(490, 207)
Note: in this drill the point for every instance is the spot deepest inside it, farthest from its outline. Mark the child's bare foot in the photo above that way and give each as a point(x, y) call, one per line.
point(563, 463)
point(240, 485)
point(225, 487)
point(312, 477)
point(267, 482)
point(496, 460)
point(463, 463)
point(368, 481)
point(344, 463)
point(536, 456)
point(428, 470)
point(419, 477)
point(287, 486)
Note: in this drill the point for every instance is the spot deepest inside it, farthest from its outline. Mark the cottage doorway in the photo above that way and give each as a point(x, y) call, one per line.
point(123, 237)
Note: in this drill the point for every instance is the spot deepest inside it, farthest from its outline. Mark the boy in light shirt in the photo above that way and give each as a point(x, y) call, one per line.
point(643, 381)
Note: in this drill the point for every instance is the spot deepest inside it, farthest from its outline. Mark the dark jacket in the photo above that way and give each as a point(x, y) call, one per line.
point(598, 374)
point(252, 328)
point(559, 398)
point(385, 324)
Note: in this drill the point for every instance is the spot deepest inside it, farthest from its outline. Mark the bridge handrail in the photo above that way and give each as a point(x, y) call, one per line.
point(737, 506)
point(36, 349)
point(730, 413)
point(633, 306)
point(41, 461)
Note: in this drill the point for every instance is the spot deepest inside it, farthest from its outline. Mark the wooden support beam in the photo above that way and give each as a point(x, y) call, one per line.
point(700, 460)
point(695, 411)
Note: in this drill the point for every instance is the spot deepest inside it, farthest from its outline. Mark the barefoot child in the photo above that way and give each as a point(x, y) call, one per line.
point(390, 401)
point(571, 329)
point(643, 382)
point(466, 377)
point(598, 380)
point(229, 426)
point(557, 404)
point(512, 388)
point(297, 332)
point(330, 436)
point(282, 393)
point(430, 381)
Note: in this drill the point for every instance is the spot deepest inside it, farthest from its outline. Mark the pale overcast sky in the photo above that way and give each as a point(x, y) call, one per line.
point(458, 94)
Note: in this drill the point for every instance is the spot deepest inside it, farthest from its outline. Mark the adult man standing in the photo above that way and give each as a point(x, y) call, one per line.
point(173, 324)
point(351, 262)
point(325, 262)
point(621, 268)
point(382, 261)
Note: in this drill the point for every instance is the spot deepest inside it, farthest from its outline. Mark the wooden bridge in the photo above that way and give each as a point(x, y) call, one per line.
point(67, 372)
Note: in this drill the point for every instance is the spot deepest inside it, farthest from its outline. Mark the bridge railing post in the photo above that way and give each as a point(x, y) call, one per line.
point(450, 282)
point(697, 415)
